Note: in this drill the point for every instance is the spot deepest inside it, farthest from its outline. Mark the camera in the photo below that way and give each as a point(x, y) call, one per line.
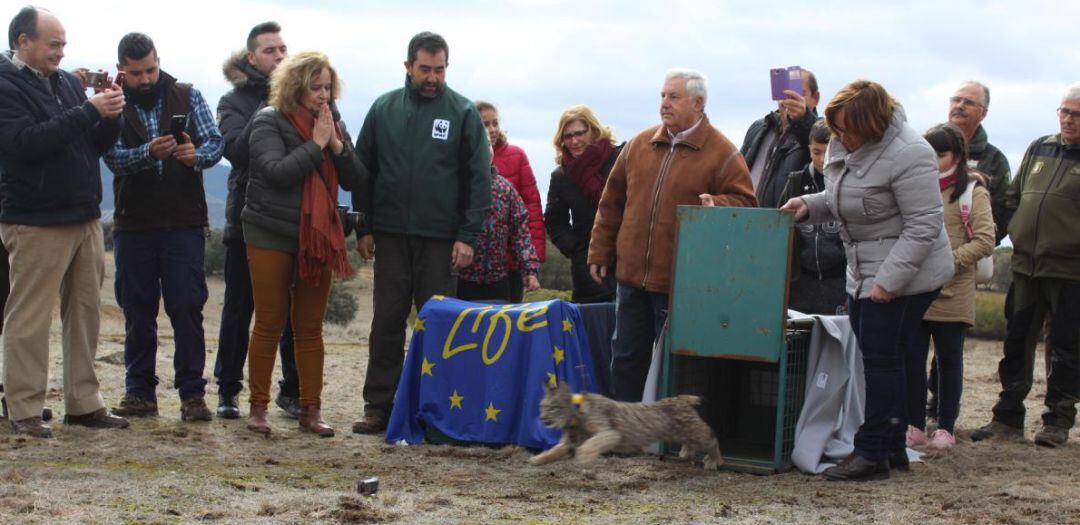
point(97, 79)
point(350, 220)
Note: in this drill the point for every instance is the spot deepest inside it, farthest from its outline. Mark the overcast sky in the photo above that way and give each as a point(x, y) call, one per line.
point(535, 58)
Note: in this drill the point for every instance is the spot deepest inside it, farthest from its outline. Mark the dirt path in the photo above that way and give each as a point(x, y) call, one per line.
point(165, 471)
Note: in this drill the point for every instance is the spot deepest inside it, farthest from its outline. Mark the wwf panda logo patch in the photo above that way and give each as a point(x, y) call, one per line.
point(440, 129)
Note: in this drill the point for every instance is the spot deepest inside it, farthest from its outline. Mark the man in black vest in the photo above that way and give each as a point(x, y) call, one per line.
point(248, 71)
point(159, 225)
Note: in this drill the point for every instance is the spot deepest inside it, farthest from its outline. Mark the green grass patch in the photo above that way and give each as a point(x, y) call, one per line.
point(989, 315)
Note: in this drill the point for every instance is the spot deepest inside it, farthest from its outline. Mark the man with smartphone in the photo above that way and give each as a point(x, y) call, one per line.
point(51, 137)
point(249, 72)
point(776, 145)
point(159, 226)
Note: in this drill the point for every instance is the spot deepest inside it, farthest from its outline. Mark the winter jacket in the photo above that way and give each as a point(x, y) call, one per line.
point(569, 221)
point(819, 250)
point(429, 166)
point(1044, 201)
point(887, 198)
point(505, 237)
point(956, 303)
point(50, 146)
point(514, 166)
point(789, 154)
point(280, 162)
point(985, 158)
point(636, 220)
point(234, 113)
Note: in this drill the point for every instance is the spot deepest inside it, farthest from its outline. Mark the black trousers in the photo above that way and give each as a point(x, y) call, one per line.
point(408, 271)
point(235, 330)
point(515, 283)
point(497, 291)
point(1033, 299)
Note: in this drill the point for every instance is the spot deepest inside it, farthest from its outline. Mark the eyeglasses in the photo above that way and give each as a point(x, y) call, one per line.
point(1066, 114)
point(574, 134)
point(964, 101)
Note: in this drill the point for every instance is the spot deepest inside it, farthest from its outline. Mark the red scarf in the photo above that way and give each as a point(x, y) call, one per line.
point(585, 169)
point(322, 239)
point(945, 182)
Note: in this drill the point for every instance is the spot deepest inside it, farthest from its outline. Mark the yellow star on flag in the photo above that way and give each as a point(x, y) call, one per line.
point(426, 366)
point(567, 326)
point(438, 297)
point(559, 355)
point(419, 326)
point(552, 380)
point(455, 400)
point(492, 413)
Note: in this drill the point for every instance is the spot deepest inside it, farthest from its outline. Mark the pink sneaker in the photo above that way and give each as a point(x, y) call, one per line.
point(941, 439)
point(916, 438)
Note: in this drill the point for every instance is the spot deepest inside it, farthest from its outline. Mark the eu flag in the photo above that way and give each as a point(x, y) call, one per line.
point(475, 372)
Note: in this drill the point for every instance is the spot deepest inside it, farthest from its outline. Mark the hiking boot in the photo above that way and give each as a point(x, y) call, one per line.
point(257, 418)
point(1052, 436)
point(372, 423)
point(33, 427)
point(194, 409)
point(997, 429)
point(941, 440)
point(228, 407)
point(289, 404)
point(100, 418)
point(311, 421)
point(134, 406)
point(916, 437)
point(858, 468)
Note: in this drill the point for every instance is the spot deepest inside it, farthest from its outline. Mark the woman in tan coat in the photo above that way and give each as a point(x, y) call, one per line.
point(953, 312)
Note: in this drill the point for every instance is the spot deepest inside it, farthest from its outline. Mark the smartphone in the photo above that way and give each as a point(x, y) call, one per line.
point(119, 80)
point(177, 127)
point(97, 79)
point(783, 78)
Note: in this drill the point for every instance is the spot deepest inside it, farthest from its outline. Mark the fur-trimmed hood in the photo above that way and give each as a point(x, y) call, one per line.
point(236, 69)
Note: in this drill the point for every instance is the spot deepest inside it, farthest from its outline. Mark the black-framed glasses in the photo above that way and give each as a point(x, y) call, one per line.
point(964, 101)
point(574, 134)
point(1066, 113)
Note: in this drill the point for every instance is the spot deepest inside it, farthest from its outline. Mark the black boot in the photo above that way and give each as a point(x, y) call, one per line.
point(899, 461)
point(228, 407)
point(858, 468)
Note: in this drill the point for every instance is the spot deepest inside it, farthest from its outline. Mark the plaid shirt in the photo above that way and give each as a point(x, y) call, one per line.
point(505, 234)
point(209, 145)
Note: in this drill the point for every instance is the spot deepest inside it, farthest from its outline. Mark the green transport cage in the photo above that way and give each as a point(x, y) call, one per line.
point(729, 340)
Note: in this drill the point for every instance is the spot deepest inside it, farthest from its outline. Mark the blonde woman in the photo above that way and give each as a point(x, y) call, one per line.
point(585, 151)
point(300, 154)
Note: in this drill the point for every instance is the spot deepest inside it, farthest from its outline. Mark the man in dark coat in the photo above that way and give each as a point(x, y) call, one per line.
point(249, 72)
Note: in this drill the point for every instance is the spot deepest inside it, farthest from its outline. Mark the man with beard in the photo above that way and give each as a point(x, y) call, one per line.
point(427, 151)
point(51, 137)
point(159, 226)
point(249, 72)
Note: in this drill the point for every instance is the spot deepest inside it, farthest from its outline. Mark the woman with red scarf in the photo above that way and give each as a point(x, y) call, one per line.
point(514, 166)
point(585, 151)
point(300, 154)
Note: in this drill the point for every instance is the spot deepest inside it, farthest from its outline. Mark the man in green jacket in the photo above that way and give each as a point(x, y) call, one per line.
point(427, 152)
point(1046, 279)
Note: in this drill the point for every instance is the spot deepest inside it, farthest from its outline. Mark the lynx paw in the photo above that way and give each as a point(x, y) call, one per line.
point(685, 452)
point(713, 465)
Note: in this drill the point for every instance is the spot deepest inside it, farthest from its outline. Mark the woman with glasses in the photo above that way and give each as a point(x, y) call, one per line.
point(585, 151)
point(881, 184)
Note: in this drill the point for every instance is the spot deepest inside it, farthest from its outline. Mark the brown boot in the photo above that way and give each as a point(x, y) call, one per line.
point(311, 421)
point(257, 418)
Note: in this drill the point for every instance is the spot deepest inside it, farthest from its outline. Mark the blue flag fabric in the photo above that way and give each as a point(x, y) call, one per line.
point(475, 372)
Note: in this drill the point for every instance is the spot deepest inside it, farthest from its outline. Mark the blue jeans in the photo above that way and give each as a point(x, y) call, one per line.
point(639, 319)
point(886, 333)
point(949, 353)
point(151, 266)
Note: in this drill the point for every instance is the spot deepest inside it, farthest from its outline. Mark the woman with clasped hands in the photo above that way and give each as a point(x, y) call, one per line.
point(295, 241)
point(881, 184)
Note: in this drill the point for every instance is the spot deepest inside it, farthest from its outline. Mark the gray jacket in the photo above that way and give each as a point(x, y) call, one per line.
point(887, 198)
point(280, 161)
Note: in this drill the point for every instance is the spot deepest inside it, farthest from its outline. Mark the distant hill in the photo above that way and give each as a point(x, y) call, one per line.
point(215, 181)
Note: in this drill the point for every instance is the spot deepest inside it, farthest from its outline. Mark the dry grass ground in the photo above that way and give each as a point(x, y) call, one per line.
point(164, 471)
